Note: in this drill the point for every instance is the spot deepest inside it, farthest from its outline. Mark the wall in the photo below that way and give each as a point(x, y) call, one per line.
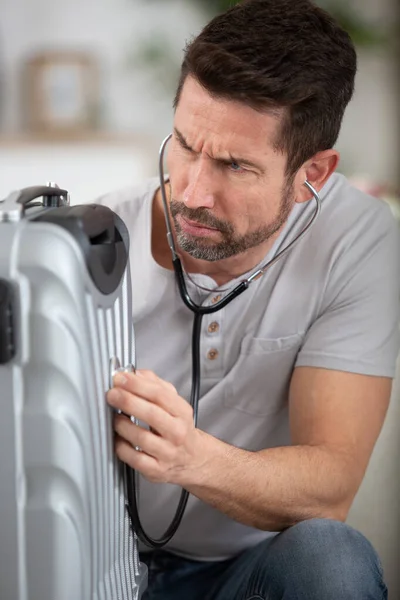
point(136, 116)
point(370, 137)
point(87, 170)
point(111, 29)
point(131, 102)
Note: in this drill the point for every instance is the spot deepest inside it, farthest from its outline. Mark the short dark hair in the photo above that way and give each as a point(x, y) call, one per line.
point(279, 54)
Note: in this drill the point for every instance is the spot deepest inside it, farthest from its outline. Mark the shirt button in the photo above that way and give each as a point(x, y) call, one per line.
point(216, 299)
point(213, 327)
point(212, 354)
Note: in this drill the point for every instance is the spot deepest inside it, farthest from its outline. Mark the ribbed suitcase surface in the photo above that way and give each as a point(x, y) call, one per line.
point(65, 311)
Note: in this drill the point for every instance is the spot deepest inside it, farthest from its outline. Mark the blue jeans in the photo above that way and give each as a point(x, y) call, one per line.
point(319, 559)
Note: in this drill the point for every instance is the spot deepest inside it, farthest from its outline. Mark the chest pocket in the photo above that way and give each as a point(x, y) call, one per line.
point(258, 384)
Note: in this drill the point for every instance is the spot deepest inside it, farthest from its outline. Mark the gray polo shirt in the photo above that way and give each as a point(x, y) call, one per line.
point(332, 302)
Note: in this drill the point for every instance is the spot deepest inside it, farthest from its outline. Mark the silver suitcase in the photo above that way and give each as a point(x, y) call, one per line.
point(65, 327)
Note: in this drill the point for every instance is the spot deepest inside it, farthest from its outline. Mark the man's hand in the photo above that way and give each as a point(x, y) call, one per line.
point(335, 420)
point(173, 444)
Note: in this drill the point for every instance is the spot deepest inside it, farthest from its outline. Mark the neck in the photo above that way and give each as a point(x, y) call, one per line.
point(222, 271)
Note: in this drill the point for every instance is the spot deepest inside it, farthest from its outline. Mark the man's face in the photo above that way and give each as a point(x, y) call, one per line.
point(229, 192)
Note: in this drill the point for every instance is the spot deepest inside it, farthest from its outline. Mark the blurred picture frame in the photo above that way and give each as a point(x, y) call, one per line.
point(61, 93)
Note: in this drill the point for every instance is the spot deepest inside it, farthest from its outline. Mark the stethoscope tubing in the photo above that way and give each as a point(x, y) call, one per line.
point(199, 311)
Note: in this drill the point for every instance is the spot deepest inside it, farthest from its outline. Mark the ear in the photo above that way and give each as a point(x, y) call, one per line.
point(316, 171)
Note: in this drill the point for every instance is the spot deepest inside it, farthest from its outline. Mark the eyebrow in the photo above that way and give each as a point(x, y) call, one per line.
point(236, 159)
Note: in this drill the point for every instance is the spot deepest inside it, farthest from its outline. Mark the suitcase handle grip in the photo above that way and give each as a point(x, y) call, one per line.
point(102, 237)
point(29, 194)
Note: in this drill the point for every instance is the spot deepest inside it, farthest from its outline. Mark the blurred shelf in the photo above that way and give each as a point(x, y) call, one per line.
point(98, 138)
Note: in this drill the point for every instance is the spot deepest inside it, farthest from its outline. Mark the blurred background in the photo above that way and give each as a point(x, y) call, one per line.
point(86, 89)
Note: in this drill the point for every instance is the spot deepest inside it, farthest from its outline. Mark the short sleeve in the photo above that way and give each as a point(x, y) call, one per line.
point(357, 329)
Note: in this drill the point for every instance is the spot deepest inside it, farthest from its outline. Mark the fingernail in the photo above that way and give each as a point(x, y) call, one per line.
point(120, 379)
point(113, 395)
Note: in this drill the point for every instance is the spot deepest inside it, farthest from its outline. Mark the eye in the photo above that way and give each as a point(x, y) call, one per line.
point(234, 166)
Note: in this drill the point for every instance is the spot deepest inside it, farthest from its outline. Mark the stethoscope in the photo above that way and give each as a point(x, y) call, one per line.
point(199, 311)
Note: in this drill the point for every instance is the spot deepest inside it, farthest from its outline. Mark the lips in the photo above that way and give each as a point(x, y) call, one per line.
point(198, 225)
point(193, 228)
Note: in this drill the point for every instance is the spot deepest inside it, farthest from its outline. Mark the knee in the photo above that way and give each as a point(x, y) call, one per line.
point(327, 559)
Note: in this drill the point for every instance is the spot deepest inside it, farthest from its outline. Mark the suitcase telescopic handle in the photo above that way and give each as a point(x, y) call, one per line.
point(13, 207)
point(29, 194)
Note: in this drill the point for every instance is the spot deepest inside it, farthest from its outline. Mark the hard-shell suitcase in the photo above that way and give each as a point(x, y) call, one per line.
point(65, 326)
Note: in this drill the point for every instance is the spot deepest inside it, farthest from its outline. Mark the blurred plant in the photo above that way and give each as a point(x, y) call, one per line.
point(215, 6)
point(363, 34)
point(159, 56)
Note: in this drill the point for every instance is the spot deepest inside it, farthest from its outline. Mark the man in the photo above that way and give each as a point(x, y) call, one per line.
point(296, 372)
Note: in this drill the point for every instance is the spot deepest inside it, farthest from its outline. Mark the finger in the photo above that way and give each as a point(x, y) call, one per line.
point(139, 437)
point(156, 391)
point(149, 377)
point(149, 374)
point(143, 373)
point(139, 461)
point(143, 410)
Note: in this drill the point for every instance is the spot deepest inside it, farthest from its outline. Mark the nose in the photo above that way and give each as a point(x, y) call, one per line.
point(201, 188)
